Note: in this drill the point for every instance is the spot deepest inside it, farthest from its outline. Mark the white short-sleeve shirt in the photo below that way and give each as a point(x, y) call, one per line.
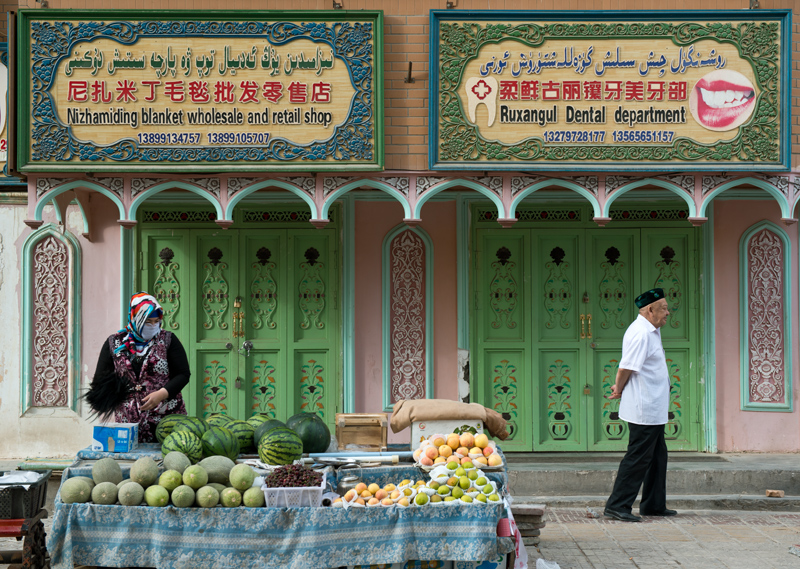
point(645, 398)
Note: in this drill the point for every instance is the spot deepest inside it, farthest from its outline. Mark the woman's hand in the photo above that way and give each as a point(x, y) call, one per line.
point(153, 400)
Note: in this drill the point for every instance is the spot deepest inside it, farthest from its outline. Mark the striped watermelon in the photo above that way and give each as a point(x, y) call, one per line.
point(166, 426)
point(192, 425)
point(219, 441)
point(265, 427)
point(183, 442)
point(244, 432)
point(280, 446)
point(219, 420)
point(256, 420)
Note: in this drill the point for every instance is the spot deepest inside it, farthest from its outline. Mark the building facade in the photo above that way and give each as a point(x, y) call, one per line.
point(408, 240)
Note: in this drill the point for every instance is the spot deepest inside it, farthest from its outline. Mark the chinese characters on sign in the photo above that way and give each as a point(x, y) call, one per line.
point(199, 93)
point(594, 94)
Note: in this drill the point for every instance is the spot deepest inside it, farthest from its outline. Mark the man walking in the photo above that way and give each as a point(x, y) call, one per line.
point(643, 384)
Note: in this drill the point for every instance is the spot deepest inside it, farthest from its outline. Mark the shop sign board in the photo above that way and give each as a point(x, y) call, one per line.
point(200, 91)
point(610, 90)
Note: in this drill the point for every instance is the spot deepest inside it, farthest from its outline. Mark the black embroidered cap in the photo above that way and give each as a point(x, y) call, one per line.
point(649, 297)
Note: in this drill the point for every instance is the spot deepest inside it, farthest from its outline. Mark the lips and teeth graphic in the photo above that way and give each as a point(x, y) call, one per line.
point(726, 98)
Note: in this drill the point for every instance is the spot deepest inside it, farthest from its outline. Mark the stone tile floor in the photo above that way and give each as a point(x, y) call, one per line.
point(693, 539)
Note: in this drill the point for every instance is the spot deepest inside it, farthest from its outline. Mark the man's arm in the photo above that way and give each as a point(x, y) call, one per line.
point(623, 375)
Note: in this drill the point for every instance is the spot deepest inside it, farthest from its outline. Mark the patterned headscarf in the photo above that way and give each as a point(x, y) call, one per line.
point(143, 306)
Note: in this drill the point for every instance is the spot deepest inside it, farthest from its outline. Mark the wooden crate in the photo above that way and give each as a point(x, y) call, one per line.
point(366, 430)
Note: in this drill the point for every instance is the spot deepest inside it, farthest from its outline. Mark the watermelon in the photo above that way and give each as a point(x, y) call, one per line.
point(219, 420)
point(312, 430)
point(166, 426)
point(280, 446)
point(218, 441)
point(244, 432)
point(264, 428)
point(192, 425)
point(184, 442)
point(256, 420)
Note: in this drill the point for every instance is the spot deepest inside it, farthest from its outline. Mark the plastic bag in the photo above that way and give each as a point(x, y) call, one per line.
point(542, 564)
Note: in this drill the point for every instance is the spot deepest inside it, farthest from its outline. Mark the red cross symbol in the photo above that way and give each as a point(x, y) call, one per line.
point(481, 89)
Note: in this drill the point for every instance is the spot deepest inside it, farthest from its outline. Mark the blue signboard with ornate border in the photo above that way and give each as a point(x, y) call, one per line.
point(610, 90)
point(200, 91)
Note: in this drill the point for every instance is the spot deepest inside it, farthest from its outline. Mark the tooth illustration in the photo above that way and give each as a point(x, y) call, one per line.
point(482, 90)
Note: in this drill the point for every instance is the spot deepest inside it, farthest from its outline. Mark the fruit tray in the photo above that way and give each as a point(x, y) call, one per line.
point(307, 497)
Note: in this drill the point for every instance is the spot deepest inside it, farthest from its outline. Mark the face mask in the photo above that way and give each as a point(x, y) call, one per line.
point(149, 331)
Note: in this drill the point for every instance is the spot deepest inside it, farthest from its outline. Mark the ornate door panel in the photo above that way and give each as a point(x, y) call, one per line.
point(164, 265)
point(501, 326)
point(668, 262)
point(214, 365)
point(612, 284)
point(263, 321)
point(559, 344)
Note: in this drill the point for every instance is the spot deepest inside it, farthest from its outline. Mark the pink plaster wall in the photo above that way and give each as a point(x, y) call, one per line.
point(373, 221)
point(101, 285)
point(747, 430)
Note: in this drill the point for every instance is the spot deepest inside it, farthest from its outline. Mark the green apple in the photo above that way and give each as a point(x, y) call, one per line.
point(481, 481)
point(460, 471)
point(488, 489)
point(494, 498)
point(481, 498)
point(443, 490)
point(452, 465)
point(464, 482)
point(421, 499)
point(467, 465)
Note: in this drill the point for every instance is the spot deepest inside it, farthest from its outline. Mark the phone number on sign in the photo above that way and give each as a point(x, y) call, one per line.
point(167, 138)
point(152, 138)
point(238, 137)
point(574, 136)
point(643, 135)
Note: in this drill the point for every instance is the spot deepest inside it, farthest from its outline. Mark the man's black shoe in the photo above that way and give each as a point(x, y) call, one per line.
point(621, 516)
point(665, 512)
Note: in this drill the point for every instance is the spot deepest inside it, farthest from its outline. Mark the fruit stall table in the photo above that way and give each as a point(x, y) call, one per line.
point(275, 538)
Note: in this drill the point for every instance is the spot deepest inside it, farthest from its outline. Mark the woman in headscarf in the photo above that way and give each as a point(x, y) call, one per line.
point(141, 371)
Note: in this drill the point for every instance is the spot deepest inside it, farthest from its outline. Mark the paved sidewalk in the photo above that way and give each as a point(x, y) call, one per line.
point(693, 539)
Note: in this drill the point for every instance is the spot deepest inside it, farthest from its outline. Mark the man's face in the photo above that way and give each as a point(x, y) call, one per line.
point(659, 311)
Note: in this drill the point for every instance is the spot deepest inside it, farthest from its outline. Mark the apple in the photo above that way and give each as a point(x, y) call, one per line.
point(481, 441)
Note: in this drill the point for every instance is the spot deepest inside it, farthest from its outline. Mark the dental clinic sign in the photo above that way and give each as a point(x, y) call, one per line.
point(516, 89)
point(200, 91)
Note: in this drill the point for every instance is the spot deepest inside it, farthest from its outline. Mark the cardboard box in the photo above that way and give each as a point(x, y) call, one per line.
point(116, 437)
point(362, 431)
point(421, 430)
point(498, 563)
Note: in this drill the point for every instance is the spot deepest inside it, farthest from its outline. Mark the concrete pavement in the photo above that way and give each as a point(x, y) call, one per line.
point(691, 540)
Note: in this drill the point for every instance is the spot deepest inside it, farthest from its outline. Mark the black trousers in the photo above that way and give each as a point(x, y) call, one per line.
point(645, 463)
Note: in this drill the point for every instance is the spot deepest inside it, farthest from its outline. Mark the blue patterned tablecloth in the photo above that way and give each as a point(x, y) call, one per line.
point(270, 538)
point(153, 450)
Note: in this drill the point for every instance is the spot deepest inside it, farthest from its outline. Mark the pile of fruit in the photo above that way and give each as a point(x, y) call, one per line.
point(293, 476)
point(214, 480)
point(454, 484)
point(277, 443)
point(463, 448)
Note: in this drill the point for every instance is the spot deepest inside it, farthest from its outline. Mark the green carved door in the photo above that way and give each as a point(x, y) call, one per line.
point(257, 311)
point(550, 310)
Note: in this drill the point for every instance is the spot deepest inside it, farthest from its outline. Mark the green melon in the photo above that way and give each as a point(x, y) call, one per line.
point(130, 494)
point(170, 480)
point(121, 484)
point(280, 446)
point(75, 491)
point(207, 497)
point(176, 461)
point(182, 496)
point(156, 496)
point(195, 477)
point(312, 430)
point(218, 441)
point(88, 480)
point(242, 477)
point(219, 420)
point(264, 428)
point(166, 426)
point(253, 498)
point(144, 471)
point(218, 468)
point(231, 498)
point(244, 432)
point(256, 420)
point(185, 443)
point(192, 425)
point(106, 470)
point(218, 487)
point(105, 493)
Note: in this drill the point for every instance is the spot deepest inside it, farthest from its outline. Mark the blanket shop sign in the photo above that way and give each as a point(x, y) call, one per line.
point(610, 90)
point(123, 90)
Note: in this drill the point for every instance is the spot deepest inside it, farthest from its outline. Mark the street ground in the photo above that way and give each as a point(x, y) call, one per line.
point(708, 539)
